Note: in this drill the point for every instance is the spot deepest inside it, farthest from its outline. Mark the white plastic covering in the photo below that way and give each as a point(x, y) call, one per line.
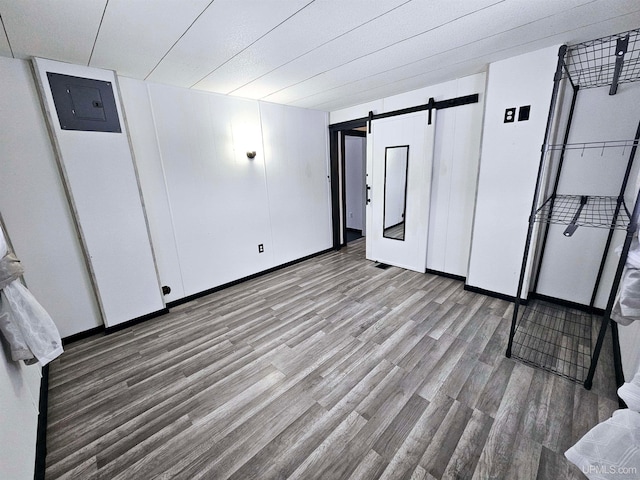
point(626, 308)
point(26, 326)
point(611, 449)
point(630, 393)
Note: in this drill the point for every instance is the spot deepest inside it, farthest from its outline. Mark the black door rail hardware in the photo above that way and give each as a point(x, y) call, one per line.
point(430, 105)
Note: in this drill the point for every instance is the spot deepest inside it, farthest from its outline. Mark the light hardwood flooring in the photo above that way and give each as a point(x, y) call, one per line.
point(329, 369)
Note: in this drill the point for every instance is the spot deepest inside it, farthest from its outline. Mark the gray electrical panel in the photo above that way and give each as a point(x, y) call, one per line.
point(84, 103)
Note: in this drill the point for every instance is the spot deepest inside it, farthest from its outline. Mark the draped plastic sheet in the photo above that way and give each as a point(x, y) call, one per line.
point(611, 449)
point(626, 308)
point(25, 324)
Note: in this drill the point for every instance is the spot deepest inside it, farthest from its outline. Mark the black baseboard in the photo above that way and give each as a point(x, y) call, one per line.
point(82, 335)
point(135, 321)
point(445, 274)
point(144, 318)
point(107, 330)
point(354, 230)
point(209, 291)
point(537, 296)
point(489, 293)
point(567, 303)
point(41, 438)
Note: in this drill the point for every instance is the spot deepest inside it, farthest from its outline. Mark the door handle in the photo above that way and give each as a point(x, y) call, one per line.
point(368, 197)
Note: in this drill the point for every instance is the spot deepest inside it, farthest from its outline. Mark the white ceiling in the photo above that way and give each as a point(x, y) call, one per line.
point(324, 54)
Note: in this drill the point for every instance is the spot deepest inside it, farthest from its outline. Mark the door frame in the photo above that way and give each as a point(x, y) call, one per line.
point(336, 152)
point(343, 193)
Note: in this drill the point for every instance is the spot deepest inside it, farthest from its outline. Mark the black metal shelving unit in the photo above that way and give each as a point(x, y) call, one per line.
point(559, 336)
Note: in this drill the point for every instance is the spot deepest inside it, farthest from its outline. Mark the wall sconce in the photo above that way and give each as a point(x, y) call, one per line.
point(251, 154)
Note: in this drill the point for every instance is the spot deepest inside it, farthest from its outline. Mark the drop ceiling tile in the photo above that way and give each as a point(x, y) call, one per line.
point(465, 29)
point(573, 25)
point(322, 21)
point(409, 20)
point(364, 90)
point(60, 30)
point(407, 58)
point(222, 31)
point(322, 54)
point(133, 37)
point(602, 22)
point(451, 29)
point(337, 101)
point(386, 83)
point(470, 38)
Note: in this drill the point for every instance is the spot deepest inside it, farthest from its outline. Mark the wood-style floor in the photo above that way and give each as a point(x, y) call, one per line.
point(329, 369)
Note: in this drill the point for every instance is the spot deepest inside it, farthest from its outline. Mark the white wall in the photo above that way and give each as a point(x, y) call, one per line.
point(296, 150)
point(355, 153)
point(221, 216)
point(34, 207)
point(139, 114)
point(571, 264)
point(19, 397)
point(19, 403)
point(508, 168)
point(218, 197)
point(225, 205)
point(455, 168)
point(209, 205)
point(629, 352)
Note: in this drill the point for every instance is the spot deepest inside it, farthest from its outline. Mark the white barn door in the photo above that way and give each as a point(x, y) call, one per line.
point(399, 165)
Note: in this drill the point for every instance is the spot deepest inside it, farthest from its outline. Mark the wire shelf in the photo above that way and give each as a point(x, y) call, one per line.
point(555, 339)
point(602, 145)
point(592, 64)
point(597, 211)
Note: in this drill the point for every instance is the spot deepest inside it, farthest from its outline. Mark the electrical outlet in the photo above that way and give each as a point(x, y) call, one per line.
point(510, 115)
point(260, 248)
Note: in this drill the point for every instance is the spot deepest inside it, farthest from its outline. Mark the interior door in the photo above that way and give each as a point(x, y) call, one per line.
point(399, 165)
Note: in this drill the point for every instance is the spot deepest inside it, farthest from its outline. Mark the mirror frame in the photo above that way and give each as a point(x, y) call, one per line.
point(406, 181)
